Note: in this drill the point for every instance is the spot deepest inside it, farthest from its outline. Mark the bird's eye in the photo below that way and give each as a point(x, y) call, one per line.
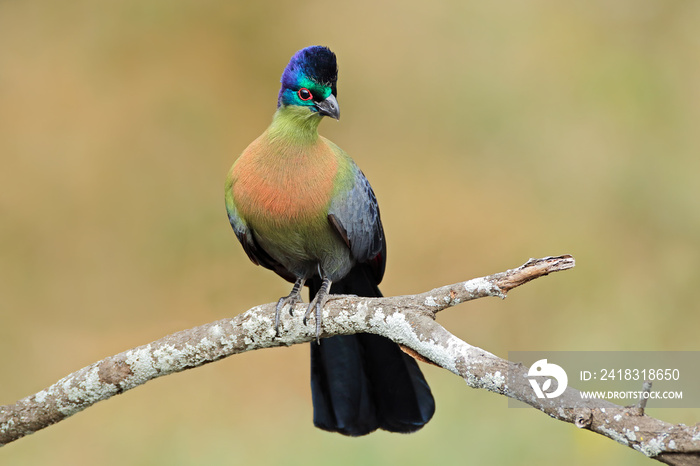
point(304, 94)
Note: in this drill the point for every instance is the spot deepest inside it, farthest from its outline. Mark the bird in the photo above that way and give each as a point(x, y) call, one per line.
point(301, 207)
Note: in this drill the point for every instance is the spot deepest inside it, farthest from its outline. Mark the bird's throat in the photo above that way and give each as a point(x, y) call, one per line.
point(294, 125)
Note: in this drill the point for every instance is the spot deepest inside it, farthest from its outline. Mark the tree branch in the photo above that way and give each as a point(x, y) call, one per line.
point(408, 320)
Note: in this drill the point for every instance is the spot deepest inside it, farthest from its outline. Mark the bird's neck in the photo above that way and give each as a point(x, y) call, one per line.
point(293, 124)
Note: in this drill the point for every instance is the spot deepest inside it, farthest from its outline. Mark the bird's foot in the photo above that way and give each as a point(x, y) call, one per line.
point(317, 304)
point(291, 300)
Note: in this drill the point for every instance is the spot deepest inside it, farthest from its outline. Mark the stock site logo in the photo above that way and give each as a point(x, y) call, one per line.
point(542, 369)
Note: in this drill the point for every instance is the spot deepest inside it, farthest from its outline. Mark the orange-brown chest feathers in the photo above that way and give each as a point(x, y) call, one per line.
point(283, 184)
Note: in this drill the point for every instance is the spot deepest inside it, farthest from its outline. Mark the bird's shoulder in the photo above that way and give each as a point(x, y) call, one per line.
point(354, 211)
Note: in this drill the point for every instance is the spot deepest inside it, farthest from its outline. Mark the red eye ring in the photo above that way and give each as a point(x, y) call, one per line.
point(305, 94)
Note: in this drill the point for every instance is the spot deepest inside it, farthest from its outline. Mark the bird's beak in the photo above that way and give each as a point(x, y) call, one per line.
point(329, 107)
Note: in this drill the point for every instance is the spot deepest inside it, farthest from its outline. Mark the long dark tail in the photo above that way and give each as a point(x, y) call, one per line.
point(361, 383)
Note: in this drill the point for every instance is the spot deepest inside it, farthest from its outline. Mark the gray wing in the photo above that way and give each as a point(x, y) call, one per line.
point(246, 237)
point(355, 215)
point(243, 233)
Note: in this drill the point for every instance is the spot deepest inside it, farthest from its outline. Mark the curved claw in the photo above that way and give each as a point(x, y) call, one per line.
point(317, 304)
point(291, 299)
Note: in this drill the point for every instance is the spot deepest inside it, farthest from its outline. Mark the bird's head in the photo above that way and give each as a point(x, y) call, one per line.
point(309, 81)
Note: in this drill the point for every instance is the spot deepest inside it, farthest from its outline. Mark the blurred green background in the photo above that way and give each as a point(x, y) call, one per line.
point(491, 132)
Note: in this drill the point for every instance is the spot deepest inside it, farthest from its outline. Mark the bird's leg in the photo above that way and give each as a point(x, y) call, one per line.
point(317, 304)
point(291, 299)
